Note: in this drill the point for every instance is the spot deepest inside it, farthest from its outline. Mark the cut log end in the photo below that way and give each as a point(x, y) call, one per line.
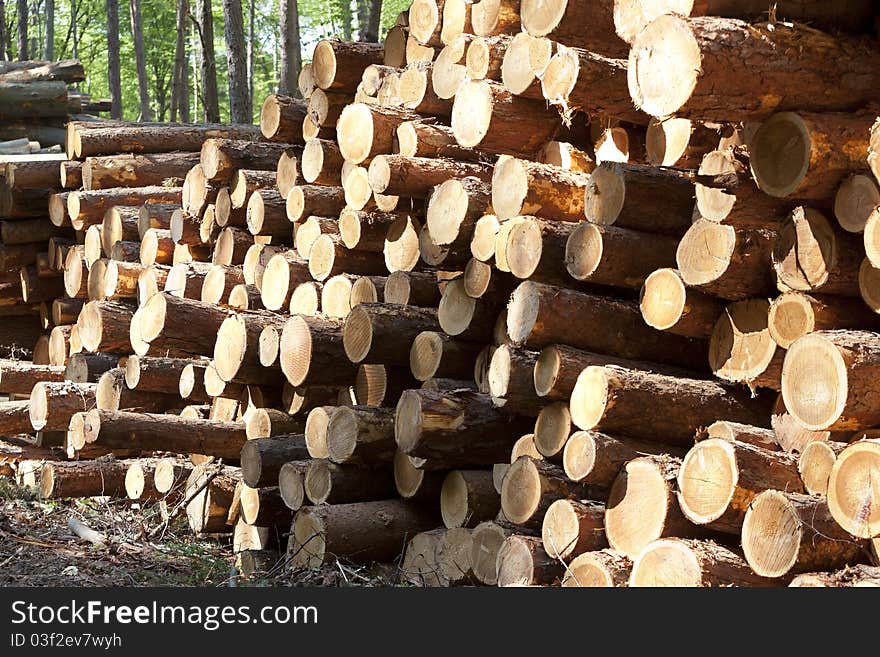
point(472, 112)
point(854, 487)
point(426, 355)
point(771, 534)
point(814, 382)
point(707, 480)
point(663, 299)
point(357, 336)
point(780, 154)
point(521, 491)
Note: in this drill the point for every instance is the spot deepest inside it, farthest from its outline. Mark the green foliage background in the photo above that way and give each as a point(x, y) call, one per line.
point(318, 19)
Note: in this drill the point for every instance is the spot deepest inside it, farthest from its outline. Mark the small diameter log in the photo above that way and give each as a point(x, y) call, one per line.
point(417, 139)
point(363, 531)
point(815, 465)
point(146, 138)
point(560, 21)
point(460, 428)
point(691, 563)
point(415, 483)
point(572, 527)
point(415, 177)
point(453, 210)
point(281, 118)
point(290, 483)
point(155, 215)
point(525, 60)
point(185, 325)
point(412, 288)
point(283, 273)
point(788, 533)
point(677, 142)
point(530, 486)
point(112, 395)
point(806, 156)
point(338, 65)
point(263, 507)
point(245, 182)
point(602, 398)
point(19, 377)
point(725, 261)
point(135, 170)
point(719, 479)
point(150, 431)
point(364, 131)
point(855, 202)
point(522, 561)
point(329, 483)
point(329, 257)
point(312, 352)
point(53, 404)
point(742, 433)
point(485, 114)
point(374, 332)
point(642, 506)
point(267, 215)
point(15, 417)
point(104, 326)
point(87, 208)
point(170, 474)
point(523, 187)
point(210, 490)
point(467, 498)
point(321, 162)
point(602, 568)
point(609, 255)
point(791, 435)
point(237, 348)
point(83, 479)
point(595, 458)
point(270, 422)
point(810, 254)
point(741, 349)
point(852, 488)
point(361, 435)
point(231, 246)
point(416, 92)
point(88, 367)
point(668, 304)
point(628, 195)
point(858, 575)
point(538, 316)
point(696, 54)
point(220, 158)
point(305, 201)
point(487, 539)
point(434, 354)
point(827, 380)
point(511, 380)
point(795, 314)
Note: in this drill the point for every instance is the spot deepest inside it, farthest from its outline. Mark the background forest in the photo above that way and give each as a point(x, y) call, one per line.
point(254, 40)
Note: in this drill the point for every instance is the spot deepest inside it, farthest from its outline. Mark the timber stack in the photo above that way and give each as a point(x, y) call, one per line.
point(516, 298)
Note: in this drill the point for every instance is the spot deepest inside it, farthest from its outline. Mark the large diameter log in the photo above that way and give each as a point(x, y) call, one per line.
point(414, 177)
point(104, 326)
point(281, 118)
point(454, 429)
point(806, 156)
point(564, 21)
point(726, 262)
point(815, 465)
point(186, 325)
point(691, 563)
point(522, 187)
point(852, 488)
point(668, 304)
point(795, 314)
point(330, 483)
point(676, 66)
point(628, 195)
point(572, 527)
point(364, 131)
point(487, 115)
point(15, 417)
point(609, 255)
point(811, 254)
point(467, 498)
point(53, 404)
point(19, 376)
point(595, 458)
point(787, 533)
point(83, 479)
point(828, 380)
point(210, 490)
point(361, 531)
point(522, 561)
point(539, 315)
point(719, 479)
point(374, 332)
point(741, 349)
point(613, 398)
point(312, 352)
point(150, 431)
point(642, 506)
point(601, 568)
point(338, 64)
point(361, 435)
point(130, 170)
point(20, 100)
point(151, 138)
point(855, 202)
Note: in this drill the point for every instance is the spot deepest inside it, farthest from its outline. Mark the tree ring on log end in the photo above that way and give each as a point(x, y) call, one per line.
point(552, 429)
point(667, 140)
point(791, 317)
point(454, 500)
point(426, 354)
point(704, 252)
point(560, 529)
point(583, 251)
point(814, 382)
point(324, 64)
point(472, 112)
point(342, 433)
point(407, 478)
point(354, 131)
point(855, 202)
point(663, 299)
point(771, 534)
point(579, 455)
point(135, 481)
point(296, 350)
point(780, 154)
point(707, 480)
point(456, 308)
point(408, 420)
point(604, 194)
point(522, 313)
point(589, 399)
point(637, 507)
point(521, 491)
point(357, 336)
point(869, 285)
point(854, 488)
point(318, 481)
point(666, 563)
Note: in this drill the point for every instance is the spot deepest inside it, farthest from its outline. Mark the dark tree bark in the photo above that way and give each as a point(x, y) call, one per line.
point(137, 33)
point(236, 59)
point(49, 51)
point(22, 17)
point(3, 40)
point(74, 17)
point(363, 17)
point(291, 57)
point(374, 21)
point(346, 17)
point(210, 97)
point(179, 91)
point(113, 59)
point(250, 50)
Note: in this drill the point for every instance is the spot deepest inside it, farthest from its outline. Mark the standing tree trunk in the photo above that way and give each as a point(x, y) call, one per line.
point(236, 59)
point(363, 17)
point(179, 91)
point(291, 57)
point(3, 42)
point(137, 32)
point(22, 16)
point(250, 50)
point(113, 59)
point(50, 30)
point(374, 22)
point(210, 99)
point(346, 16)
point(73, 29)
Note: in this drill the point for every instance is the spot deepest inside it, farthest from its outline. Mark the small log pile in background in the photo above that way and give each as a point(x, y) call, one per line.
point(518, 297)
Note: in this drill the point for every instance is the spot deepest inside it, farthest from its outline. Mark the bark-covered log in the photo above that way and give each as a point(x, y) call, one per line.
point(151, 138)
point(668, 304)
point(852, 488)
point(135, 170)
point(692, 563)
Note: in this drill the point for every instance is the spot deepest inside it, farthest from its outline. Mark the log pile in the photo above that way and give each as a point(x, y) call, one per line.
point(499, 301)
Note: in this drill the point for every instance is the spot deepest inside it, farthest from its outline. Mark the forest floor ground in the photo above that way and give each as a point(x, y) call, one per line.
point(145, 547)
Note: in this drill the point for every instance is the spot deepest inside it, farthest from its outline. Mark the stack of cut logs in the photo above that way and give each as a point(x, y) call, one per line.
point(453, 310)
